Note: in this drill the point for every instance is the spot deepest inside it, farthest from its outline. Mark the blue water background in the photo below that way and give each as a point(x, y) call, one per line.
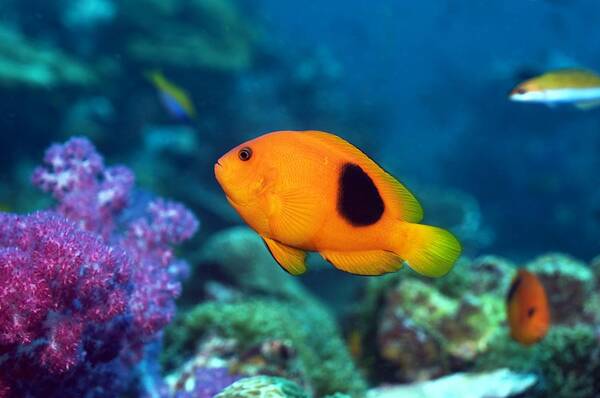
point(439, 73)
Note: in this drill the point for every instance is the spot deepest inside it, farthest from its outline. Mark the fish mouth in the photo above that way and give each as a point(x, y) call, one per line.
point(517, 96)
point(218, 166)
point(218, 169)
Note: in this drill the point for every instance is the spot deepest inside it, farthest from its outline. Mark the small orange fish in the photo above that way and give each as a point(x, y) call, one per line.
point(313, 191)
point(527, 309)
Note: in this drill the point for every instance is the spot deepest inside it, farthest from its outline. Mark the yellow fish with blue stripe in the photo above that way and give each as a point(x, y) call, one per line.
point(176, 100)
point(577, 87)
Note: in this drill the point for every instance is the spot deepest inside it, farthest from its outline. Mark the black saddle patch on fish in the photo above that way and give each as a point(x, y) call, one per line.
point(359, 201)
point(513, 289)
point(531, 312)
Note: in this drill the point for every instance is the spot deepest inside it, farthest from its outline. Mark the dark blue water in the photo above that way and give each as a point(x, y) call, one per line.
point(438, 75)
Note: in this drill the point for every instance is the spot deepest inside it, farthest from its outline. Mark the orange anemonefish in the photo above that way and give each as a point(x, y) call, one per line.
point(527, 309)
point(313, 191)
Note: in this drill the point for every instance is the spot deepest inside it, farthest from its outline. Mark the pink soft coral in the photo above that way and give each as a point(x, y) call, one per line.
point(82, 291)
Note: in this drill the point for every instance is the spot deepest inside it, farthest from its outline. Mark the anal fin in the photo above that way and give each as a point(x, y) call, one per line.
point(587, 105)
point(290, 259)
point(371, 262)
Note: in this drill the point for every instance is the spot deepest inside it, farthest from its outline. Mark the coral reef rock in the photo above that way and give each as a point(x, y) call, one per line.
point(217, 35)
point(568, 283)
point(489, 275)
point(26, 63)
point(427, 328)
point(567, 361)
point(241, 255)
point(501, 383)
point(255, 329)
point(421, 330)
point(263, 387)
point(199, 382)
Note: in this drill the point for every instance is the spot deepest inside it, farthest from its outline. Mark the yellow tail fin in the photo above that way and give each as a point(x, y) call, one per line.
point(430, 251)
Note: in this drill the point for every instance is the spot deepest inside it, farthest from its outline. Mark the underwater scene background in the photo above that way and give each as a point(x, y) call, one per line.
point(108, 290)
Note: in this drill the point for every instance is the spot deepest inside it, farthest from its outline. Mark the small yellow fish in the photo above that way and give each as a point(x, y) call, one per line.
point(313, 191)
point(175, 99)
point(577, 87)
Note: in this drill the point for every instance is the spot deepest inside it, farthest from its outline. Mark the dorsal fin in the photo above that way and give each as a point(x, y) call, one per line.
point(513, 288)
point(403, 203)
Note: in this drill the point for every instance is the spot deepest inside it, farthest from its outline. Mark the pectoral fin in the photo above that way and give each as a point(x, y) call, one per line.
point(372, 262)
point(290, 259)
point(291, 213)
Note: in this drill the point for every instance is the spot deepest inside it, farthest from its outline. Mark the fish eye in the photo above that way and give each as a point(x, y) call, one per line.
point(245, 154)
point(521, 90)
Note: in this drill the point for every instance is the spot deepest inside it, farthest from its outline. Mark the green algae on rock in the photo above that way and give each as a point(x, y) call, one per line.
point(595, 267)
point(263, 387)
point(218, 38)
point(567, 361)
point(452, 328)
point(259, 274)
point(24, 62)
point(323, 357)
point(490, 275)
point(426, 328)
point(289, 314)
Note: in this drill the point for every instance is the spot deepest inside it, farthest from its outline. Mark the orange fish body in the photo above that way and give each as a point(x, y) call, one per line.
point(313, 191)
point(528, 310)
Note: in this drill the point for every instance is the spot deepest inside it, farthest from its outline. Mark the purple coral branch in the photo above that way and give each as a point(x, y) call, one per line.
point(76, 293)
point(87, 192)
